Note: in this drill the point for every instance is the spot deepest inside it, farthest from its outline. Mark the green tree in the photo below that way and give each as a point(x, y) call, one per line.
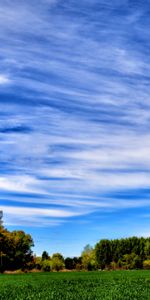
point(88, 258)
point(69, 263)
point(147, 249)
point(131, 261)
point(57, 262)
point(16, 250)
point(103, 253)
point(45, 255)
point(146, 264)
point(46, 265)
point(38, 262)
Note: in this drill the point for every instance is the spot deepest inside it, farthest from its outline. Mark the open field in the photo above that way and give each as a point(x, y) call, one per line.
point(127, 285)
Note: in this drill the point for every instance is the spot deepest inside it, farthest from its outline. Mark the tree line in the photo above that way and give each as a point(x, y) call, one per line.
point(126, 253)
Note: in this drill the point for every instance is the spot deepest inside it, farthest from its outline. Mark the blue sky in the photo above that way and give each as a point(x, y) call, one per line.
point(75, 120)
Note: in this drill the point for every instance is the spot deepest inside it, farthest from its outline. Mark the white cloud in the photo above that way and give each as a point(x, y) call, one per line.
point(22, 184)
point(38, 217)
point(30, 211)
point(4, 79)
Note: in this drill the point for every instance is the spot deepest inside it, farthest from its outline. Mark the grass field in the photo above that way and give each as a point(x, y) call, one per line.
point(122, 285)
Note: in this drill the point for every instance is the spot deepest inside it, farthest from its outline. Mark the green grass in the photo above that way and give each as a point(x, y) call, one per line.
point(120, 285)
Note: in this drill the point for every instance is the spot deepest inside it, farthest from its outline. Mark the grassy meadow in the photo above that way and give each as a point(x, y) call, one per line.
point(105, 285)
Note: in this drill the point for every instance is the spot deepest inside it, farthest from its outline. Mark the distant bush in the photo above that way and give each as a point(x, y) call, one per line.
point(46, 265)
point(146, 264)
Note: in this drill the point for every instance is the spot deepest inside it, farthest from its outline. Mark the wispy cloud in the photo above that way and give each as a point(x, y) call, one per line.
point(74, 83)
point(54, 213)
